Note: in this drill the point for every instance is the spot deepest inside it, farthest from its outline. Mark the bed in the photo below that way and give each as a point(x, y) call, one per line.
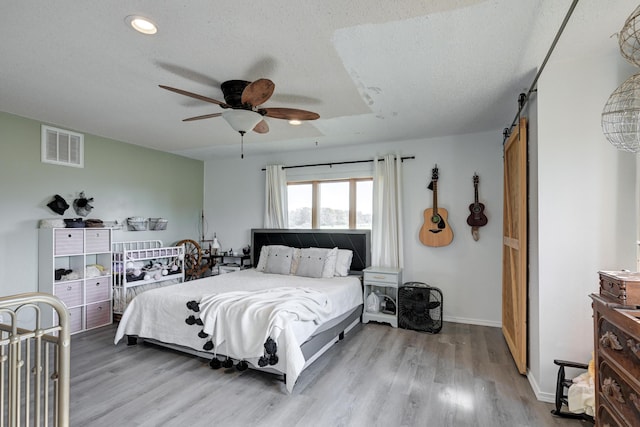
point(266, 317)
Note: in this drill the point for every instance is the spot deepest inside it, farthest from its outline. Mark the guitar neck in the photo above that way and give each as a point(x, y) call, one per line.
point(476, 193)
point(435, 197)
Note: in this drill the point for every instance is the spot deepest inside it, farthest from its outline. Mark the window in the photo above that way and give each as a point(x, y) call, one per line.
point(345, 203)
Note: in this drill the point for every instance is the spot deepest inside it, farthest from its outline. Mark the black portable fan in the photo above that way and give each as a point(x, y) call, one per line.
point(420, 307)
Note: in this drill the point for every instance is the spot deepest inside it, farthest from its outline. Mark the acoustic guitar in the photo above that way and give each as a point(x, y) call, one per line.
point(435, 231)
point(476, 218)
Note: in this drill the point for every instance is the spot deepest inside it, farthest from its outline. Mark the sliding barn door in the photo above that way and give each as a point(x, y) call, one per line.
point(514, 246)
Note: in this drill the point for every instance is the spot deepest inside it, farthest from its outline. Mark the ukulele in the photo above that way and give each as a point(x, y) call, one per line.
point(435, 231)
point(476, 218)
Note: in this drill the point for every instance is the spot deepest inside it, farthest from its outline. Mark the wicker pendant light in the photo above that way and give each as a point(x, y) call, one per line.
point(621, 114)
point(629, 38)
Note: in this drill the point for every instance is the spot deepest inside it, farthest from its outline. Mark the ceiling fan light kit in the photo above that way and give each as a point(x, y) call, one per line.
point(242, 120)
point(620, 118)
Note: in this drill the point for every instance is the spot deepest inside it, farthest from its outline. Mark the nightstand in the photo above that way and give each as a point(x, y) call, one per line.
point(385, 282)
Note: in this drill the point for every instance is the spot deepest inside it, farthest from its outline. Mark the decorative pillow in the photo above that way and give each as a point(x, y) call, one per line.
point(295, 260)
point(262, 261)
point(279, 260)
point(311, 262)
point(343, 262)
point(329, 268)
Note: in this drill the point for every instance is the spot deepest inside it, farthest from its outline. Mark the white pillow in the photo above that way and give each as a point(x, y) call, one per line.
point(329, 268)
point(279, 260)
point(311, 262)
point(343, 262)
point(262, 261)
point(295, 260)
point(264, 253)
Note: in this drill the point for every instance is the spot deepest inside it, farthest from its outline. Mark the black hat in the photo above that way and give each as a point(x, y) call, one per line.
point(58, 205)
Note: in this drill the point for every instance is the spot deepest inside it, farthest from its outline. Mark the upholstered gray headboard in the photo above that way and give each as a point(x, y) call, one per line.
point(359, 241)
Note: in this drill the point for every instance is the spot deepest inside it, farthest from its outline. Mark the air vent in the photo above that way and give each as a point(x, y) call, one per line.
point(62, 147)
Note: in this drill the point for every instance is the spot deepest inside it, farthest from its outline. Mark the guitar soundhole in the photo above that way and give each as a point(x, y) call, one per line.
point(435, 219)
point(476, 209)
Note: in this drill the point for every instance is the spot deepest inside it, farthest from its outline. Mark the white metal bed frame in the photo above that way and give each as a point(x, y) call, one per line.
point(34, 361)
point(140, 250)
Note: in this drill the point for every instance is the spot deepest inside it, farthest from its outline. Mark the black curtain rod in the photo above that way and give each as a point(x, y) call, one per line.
point(341, 163)
point(523, 99)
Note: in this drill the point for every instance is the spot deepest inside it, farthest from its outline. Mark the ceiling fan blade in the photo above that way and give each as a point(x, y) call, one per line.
point(289, 114)
point(206, 116)
point(261, 127)
point(258, 92)
point(196, 96)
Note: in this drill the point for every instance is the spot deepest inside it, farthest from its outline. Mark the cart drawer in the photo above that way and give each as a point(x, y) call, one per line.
point(98, 314)
point(68, 241)
point(97, 240)
point(387, 278)
point(70, 293)
point(98, 289)
point(75, 319)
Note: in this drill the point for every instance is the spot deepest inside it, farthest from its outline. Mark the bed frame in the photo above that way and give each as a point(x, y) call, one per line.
point(358, 241)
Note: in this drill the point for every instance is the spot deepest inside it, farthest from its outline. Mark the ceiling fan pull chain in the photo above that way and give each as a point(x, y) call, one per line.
point(241, 145)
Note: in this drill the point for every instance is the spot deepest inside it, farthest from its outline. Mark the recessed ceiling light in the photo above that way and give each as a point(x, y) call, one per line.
point(141, 24)
point(295, 122)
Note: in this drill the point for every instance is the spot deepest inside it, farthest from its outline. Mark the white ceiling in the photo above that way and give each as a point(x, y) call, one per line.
point(374, 70)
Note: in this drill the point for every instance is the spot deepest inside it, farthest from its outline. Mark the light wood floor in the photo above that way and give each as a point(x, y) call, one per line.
point(377, 376)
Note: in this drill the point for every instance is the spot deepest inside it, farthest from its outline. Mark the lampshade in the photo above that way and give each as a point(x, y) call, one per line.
point(242, 120)
point(621, 116)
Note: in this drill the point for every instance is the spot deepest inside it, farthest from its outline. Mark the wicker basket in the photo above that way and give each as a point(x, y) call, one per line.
point(136, 224)
point(158, 223)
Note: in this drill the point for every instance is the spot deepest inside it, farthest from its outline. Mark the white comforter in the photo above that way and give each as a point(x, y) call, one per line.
point(160, 313)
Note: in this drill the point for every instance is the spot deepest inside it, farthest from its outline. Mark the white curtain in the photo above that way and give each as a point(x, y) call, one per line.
point(275, 200)
point(386, 233)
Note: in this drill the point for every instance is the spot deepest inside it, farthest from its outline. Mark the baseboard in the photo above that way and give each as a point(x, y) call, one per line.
point(540, 395)
point(468, 321)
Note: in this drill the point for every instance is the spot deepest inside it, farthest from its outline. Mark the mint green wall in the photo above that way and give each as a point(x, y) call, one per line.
point(124, 180)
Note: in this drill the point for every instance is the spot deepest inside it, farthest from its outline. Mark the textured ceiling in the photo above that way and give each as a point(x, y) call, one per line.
point(374, 70)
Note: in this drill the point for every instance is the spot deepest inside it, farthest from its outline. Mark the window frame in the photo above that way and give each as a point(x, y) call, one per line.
point(315, 198)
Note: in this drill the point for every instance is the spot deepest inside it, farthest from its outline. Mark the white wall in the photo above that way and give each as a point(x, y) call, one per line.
point(586, 214)
point(467, 272)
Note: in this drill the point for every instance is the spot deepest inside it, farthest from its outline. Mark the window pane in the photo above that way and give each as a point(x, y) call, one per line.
point(299, 205)
point(334, 205)
point(364, 204)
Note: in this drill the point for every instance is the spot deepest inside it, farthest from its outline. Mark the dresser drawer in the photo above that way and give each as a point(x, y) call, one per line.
point(68, 241)
point(98, 314)
point(620, 286)
point(98, 289)
point(70, 293)
point(620, 347)
point(387, 278)
point(606, 418)
point(97, 240)
point(618, 394)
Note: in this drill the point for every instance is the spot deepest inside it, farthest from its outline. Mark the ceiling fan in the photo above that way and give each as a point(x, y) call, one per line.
point(243, 100)
point(241, 95)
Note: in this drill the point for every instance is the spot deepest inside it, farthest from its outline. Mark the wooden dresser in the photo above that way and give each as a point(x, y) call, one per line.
point(617, 359)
